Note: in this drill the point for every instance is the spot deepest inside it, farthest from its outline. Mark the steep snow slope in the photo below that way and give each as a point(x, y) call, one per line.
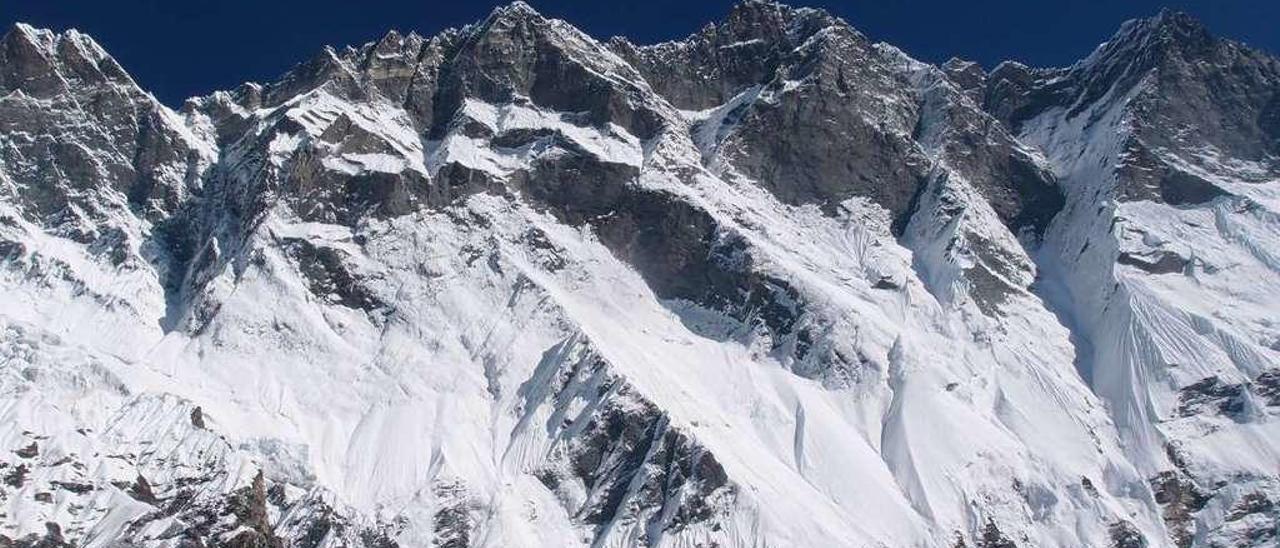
point(509, 286)
point(1161, 260)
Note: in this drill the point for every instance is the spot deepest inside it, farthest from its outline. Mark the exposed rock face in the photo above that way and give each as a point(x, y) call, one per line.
point(1125, 535)
point(968, 76)
point(1181, 499)
point(1212, 395)
point(771, 284)
point(84, 139)
point(773, 70)
point(853, 116)
point(711, 67)
point(636, 470)
point(993, 538)
point(1196, 101)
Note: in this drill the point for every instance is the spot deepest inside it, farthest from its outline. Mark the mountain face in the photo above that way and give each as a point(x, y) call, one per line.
point(774, 284)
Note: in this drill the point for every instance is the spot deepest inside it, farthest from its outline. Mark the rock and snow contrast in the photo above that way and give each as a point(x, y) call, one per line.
point(772, 285)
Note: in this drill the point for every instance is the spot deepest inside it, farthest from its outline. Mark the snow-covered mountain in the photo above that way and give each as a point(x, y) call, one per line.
point(774, 284)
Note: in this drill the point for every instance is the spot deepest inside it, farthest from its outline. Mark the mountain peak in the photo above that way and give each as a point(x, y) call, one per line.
point(392, 45)
point(1177, 26)
point(772, 18)
point(21, 37)
point(517, 10)
point(1168, 32)
point(42, 62)
point(50, 42)
point(517, 16)
point(28, 33)
point(1144, 44)
point(1174, 19)
point(757, 5)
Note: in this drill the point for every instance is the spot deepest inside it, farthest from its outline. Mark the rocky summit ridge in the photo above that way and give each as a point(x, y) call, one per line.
point(773, 284)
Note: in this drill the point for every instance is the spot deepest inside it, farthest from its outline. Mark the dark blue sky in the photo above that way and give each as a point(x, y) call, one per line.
point(179, 48)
